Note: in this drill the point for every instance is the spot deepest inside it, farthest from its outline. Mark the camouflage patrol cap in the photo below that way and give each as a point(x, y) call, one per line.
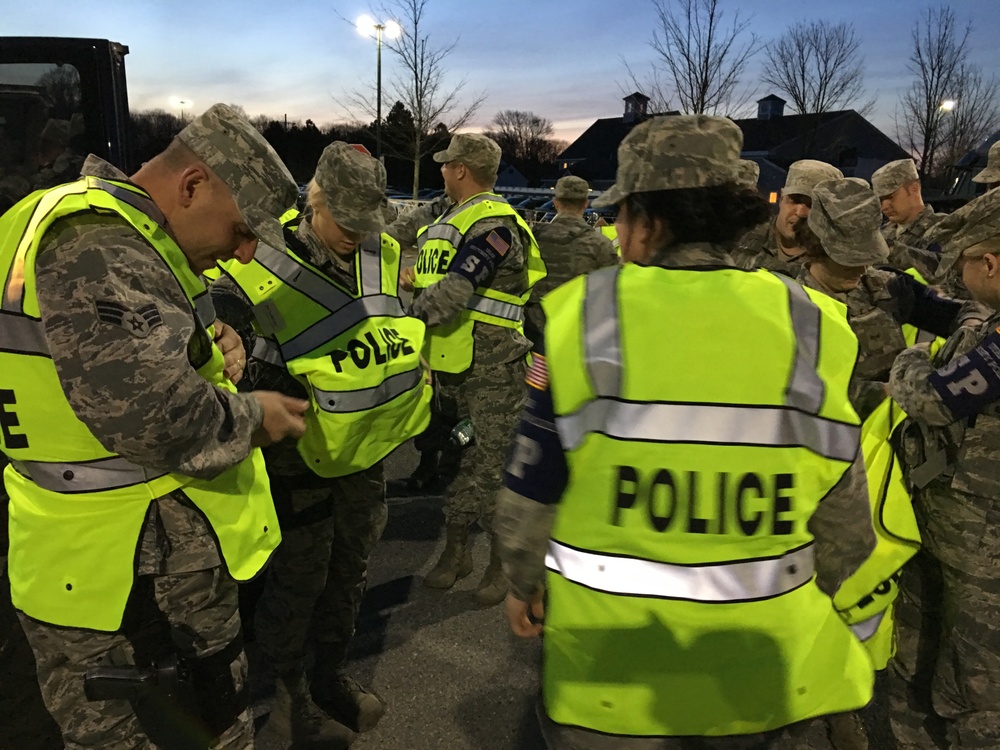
point(860, 181)
point(748, 173)
point(975, 222)
point(891, 177)
point(991, 172)
point(572, 188)
point(473, 150)
point(353, 185)
point(804, 174)
point(846, 217)
point(674, 152)
point(261, 184)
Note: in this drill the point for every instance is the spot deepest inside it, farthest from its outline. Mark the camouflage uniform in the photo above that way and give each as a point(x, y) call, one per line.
point(491, 392)
point(760, 247)
point(330, 526)
point(908, 247)
point(183, 599)
point(569, 247)
point(524, 524)
point(947, 667)
point(190, 428)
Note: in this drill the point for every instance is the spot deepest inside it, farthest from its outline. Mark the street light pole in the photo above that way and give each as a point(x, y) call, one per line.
point(366, 25)
point(379, 28)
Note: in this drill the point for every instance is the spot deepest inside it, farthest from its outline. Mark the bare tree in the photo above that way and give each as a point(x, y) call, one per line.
point(521, 135)
point(704, 57)
point(437, 108)
point(975, 116)
point(819, 67)
point(939, 51)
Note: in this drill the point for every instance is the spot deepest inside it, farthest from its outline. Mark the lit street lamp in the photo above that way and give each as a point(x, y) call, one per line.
point(948, 105)
point(368, 26)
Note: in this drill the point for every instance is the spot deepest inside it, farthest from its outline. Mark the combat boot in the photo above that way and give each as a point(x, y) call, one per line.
point(493, 588)
point(295, 717)
point(455, 561)
point(344, 699)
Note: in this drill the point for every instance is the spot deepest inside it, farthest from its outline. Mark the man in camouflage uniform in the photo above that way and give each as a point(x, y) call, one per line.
point(946, 691)
point(214, 191)
point(569, 247)
point(491, 392)
point(897, 186)
point(330, 526)
point(990, 174)
point(772, 244)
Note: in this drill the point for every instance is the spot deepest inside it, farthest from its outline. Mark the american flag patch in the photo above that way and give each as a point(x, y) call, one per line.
point(497, 242)
point(538, 373)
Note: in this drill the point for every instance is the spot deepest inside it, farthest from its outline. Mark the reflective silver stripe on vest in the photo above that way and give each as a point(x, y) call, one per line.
point(302, 279)
point(713, 424)
point(602, 338)
point(445, 232)
point(267, 350)
point(867, 628)
point(22, 335)
point(92, 476)
point(369, 260)
point(496, 308)
point(742, 581)
point(342, 402)
point(337, 324)
point(805, 387)
point(139, 201)
point(439, 229)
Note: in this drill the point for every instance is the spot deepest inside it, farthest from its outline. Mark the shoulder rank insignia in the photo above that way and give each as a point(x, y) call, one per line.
point(139, 322)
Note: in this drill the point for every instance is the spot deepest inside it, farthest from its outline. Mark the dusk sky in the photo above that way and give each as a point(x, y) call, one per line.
point(560, 60)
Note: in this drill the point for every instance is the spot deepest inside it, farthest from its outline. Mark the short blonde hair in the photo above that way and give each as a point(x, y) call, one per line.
point(315, 197)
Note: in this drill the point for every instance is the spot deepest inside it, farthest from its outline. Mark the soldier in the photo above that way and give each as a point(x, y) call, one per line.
point(136, 494)
point(842, 242)
point(569, 246)
point(477, 265)
point(772, 245)
point(946, 674)
point(897, 186)
point(640, 455)
point(336, 281)
point(990, 174)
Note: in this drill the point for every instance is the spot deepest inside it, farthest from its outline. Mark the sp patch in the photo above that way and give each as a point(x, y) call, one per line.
point(139, 322)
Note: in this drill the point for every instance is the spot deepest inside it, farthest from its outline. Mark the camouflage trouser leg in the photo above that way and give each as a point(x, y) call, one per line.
point(494, 397)
point(806, 735)
point(202, 610)
point(359, 522)
point(318, 574)
point(946, 688)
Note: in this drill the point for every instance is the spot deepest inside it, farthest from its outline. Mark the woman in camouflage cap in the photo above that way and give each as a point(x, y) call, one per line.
point(661, 379)
point(842, 244)
point(947, 668)
point(327, 324)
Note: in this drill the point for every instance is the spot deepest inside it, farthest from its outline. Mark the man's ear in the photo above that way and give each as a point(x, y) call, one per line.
point(992, 264)
point(192, 179)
